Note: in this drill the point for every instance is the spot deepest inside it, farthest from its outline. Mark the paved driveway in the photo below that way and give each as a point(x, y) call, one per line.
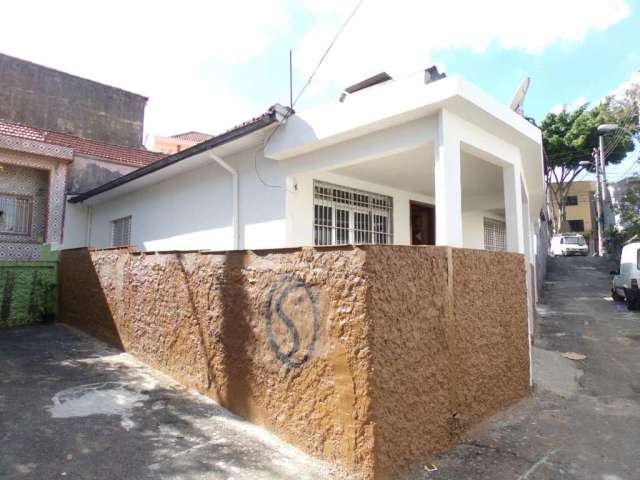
point(583, 421)
point(72, 408)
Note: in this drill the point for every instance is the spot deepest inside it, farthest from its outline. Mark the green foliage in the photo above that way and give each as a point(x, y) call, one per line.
point(570, 136)
point(628, 208)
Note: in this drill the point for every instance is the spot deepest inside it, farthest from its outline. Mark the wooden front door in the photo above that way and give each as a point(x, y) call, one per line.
point(423, 224)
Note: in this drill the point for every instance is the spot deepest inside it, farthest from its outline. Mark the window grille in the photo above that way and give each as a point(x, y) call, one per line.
point(345, 215)
point(494, 234)
point(15, 214)
point(121, 232)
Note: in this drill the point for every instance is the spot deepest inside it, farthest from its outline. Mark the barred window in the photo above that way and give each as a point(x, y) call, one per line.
point(15, 214)
point(494, 234)
point(121, 232)
point(345, 215)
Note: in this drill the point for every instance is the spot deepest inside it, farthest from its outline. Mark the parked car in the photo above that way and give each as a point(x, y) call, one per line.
point(627, 276)
point(568, 244)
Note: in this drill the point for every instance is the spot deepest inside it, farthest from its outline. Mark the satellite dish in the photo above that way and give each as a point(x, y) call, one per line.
point(518, 98)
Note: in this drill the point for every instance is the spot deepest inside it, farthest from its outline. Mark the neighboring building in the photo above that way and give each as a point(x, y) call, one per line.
point(403, 163)
point(37, 169)
point(580, 208)
point(45, 98)
point(177, 143)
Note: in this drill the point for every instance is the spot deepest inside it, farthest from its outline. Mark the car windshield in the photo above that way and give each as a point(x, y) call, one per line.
point(574, 240)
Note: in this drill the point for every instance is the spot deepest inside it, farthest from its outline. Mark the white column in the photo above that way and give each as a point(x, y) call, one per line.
point(448, 188)
point(513, 208)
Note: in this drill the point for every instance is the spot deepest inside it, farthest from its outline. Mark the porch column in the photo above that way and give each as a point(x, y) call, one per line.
point(448, 189)
point(513, 208)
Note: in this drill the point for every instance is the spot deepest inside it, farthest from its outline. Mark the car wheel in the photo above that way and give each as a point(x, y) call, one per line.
point(616, 297)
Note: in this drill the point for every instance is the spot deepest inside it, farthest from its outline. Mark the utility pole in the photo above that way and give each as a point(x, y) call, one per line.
point(599, 218)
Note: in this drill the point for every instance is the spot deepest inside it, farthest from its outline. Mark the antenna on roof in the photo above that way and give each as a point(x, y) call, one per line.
point(518, 98)
point(291, 78)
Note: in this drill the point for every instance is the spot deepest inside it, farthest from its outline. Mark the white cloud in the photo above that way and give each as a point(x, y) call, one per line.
point(621, 89)
point(179, 54)
point(402, 36)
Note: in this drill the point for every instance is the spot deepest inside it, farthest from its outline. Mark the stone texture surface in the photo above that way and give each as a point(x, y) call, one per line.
point(358, 355)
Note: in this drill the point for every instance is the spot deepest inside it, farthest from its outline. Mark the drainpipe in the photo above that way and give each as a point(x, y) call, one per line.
point(89, 225)
point(235, 200)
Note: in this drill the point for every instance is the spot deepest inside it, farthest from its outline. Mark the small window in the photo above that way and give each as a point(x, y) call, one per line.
point(494, 234)
point(576, 225)
point(344, 215)
point(572, 200)
point(121, 232)
point(15, 214)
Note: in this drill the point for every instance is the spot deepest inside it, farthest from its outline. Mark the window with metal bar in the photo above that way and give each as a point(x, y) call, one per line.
point(344, 215)
point(15, 214)
point(494, 234)
point(121, 232)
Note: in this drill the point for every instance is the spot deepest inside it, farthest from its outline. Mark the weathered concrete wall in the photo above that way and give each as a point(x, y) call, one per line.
point(88, 173)
point(43, 97)
point(27, 292)
point(370, 357)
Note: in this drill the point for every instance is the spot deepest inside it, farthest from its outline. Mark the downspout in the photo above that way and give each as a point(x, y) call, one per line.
point(235, 197)
point(89, 225)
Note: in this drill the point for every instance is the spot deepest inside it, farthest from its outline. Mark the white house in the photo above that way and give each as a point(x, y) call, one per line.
point(404, 162)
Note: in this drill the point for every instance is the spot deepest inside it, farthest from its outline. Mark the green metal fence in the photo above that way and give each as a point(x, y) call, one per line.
point(28, 292)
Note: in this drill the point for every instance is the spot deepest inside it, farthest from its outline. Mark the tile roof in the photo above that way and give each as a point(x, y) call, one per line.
point(116, 153)
point(271, 116)
point(196, 137)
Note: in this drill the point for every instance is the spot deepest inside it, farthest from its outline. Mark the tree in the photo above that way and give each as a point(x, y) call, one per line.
point(628, 209)
point(569, 138)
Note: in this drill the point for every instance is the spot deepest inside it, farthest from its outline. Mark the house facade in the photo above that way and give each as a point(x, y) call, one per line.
point(580, 209)
point(407, 162)
point(38, 169)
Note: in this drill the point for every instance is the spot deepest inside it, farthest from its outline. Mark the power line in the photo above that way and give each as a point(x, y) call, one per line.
point(302, 90)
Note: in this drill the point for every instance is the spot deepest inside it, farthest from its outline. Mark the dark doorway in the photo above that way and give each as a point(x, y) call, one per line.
point(423, 224)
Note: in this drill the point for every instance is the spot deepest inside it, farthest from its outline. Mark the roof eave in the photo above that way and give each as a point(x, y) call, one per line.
point(266, 119)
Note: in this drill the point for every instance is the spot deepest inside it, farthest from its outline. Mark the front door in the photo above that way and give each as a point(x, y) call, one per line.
point(423, 224)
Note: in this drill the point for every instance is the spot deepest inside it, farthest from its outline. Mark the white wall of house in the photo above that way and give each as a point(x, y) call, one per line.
point(192, 209)
point(300, 205)
point(188, 212)
point(473, 227)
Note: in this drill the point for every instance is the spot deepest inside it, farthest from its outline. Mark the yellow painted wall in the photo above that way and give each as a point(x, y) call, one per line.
point(584, 190)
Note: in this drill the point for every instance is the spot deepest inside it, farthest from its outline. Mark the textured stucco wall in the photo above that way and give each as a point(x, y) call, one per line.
point(43, 97)
point(358, 355)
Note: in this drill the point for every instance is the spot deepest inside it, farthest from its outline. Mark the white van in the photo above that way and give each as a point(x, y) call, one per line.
point(568, 244)
point(629, 273)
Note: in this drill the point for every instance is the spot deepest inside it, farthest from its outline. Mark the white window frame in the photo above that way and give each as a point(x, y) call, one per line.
point(123, 238)
point(336, 209)
point(18, 218)
point(495, 235)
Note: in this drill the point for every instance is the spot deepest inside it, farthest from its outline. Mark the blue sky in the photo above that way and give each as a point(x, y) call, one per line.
point(209, 65)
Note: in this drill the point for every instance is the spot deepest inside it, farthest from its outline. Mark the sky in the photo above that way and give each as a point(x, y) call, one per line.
point(208, 65)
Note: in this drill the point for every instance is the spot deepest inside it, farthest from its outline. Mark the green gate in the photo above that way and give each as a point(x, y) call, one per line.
point(27, 292)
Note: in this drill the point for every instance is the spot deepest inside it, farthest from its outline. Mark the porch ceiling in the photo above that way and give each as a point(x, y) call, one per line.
point(413, 171)
point(410, 170)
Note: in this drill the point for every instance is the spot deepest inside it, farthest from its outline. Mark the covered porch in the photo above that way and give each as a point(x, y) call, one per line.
point(438, 181)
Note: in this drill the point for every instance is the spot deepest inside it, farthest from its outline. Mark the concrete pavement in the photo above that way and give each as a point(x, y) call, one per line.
point(72, 408)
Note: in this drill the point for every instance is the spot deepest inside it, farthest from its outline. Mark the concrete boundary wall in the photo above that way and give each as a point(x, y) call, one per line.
point(371, 357)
